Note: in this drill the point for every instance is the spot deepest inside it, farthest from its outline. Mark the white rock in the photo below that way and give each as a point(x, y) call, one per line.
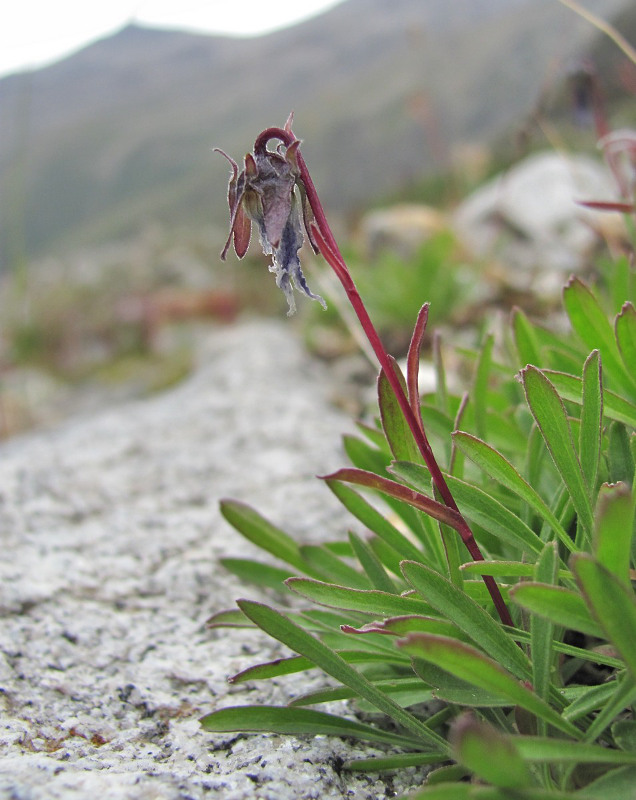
point(111, 536)
point(529, 218)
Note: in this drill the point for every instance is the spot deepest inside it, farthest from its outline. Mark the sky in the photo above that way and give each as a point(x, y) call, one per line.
point(34, 33)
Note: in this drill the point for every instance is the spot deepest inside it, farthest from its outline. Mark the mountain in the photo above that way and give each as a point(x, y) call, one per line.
point(383, 91)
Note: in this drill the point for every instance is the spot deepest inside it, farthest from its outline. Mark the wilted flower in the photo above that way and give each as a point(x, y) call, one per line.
point(266, 192)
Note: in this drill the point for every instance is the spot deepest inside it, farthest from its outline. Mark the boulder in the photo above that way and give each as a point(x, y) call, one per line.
point(529, 220)
point(111, 539)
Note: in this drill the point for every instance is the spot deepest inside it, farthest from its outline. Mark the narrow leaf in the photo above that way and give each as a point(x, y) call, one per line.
point(480, 508)
point(479, 394)
point(615, 407)
point(281, 628)
point(400, 492)
point(625, 329)
point(468, 616)
point(372, 565)
point(614, 524)
point(332, 568)
point(394, 424)
point(470, 665)
point(413, 361)
point(511, 569)
point(541, 629)
point(391, 762)
point(487, 753)
point(620, 461)
point(229, 618)
point(560, 751)
point(262, 533)
point(594, 329)
point(368, 601)
point(615, 785)
point(295, 664)
point(500, 469)
point(549, 412)
point(611, 603)
point(295, 722)
point(405, 691)
point(255, 572)
point(525, 339)
point(561, 606)
point(372, 518)
point(591, 430)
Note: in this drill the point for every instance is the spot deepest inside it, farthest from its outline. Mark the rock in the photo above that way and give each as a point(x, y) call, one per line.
point(529, 221)
point(111, 538)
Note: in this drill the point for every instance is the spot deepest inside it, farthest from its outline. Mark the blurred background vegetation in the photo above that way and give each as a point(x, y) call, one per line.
point(113, 207)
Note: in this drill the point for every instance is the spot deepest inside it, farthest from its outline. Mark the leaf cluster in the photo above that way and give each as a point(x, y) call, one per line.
point(539, 455)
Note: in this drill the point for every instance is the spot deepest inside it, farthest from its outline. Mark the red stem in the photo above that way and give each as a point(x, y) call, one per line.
point(331, 252)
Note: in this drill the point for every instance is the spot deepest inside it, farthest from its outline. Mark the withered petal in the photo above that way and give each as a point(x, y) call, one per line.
point(242, 231)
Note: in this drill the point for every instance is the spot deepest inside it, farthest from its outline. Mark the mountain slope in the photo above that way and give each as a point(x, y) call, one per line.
point(122, 131)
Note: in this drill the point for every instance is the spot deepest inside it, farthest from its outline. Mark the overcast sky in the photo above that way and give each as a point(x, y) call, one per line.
point(37, 32)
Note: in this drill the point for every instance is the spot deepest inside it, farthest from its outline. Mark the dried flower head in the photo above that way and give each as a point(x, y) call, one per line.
point(266, 192)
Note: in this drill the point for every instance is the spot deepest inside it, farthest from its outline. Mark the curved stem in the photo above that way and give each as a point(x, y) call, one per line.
point(331, 252)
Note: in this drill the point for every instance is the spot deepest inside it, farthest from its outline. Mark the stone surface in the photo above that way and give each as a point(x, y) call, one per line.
point(111, 537)
point(529, 219)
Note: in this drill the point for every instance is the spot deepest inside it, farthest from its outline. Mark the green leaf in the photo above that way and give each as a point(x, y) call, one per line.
point(525, 339)
point(479, 394)
point(262, 533)
point(612, 604)
point(399, 492)
point(332, 568)
point(594, 329)
point(541, 629)
point(396, 428)
point(405, 691)
point(372, 565)
point(501, 470)
point(294, 722)
point(615, 785)
point(479, 508)
point(595, 656)
point(365, 457)
point(614, 526)
point(392, 762)
point(279, 627)
point(561, 606)
point(373, 519)
point(615, 407)
point(593, 698)
point(510, 569)
point(468, 616)
point(465, 791)
point(487, 753)
point(229, 618)
point(624, 733)
point(561, 751)
point(591, 430)
point(368, 601)
point(452, 690)
point(620, 462)
point(295, 664)
point(471, 665)
point(549, 412)
point(255, 572)
point(623, 696)
point(625, 330)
